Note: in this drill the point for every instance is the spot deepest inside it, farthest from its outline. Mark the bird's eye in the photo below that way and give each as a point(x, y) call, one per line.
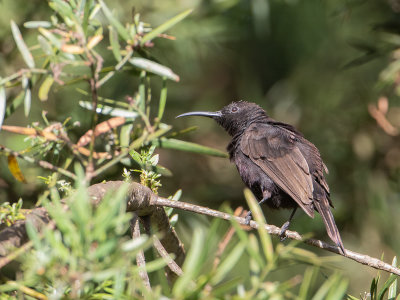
point(234, 109)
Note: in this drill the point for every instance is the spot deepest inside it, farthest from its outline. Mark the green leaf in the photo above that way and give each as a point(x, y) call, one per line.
point(168, 143)
point(3, 101)
point(308, 280)
point(115, 47)
point(51, 37)
point(386, 286)
point(153, 67)
point(328, 284)
point(26, 84)
point(192, 264)
point(45, 88)
point(15, 103)
point(36, 24)
point(163, 100)
point(349, 297)
point(393, 287)
point(164, 27)
point(110, 111)
point(114, 22)
point(259, 218)
point(229, 262)
point(142, 92)
point(26, 54)
point(45, 45)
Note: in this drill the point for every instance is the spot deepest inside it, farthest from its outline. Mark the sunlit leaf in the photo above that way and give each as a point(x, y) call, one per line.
point(94, 41)
point(110, 111)
point(392, 278)
point(164, 27)
point(26, 54)
point(153, 67)
point(14, 168)
point(72, 49)
point(26, 84)
point(36, 24)
point(163, 100)
point(45, 88)
point(188, 147)
point(393, 287)
point(51, 37)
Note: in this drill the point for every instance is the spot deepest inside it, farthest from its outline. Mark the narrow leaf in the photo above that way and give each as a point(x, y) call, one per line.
point(114, 22)
point(142, 91)
point(72, 49)
point(36, 24)
point(26, 84)
point(14, 168)
point(108, 110)
point(259, 218)
point(26, 54)
point(51, 37)
point(3, 101)
point(393, 287)
point(386, 286)
point(229, 262)
point(164, 27)
point(169, 143)
point(94, 41)
point(163, 100)
point(115, 47)
point(153, 67)
point(45, 88)
point(45, 45)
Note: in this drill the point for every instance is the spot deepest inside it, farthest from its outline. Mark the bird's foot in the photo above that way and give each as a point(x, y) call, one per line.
point(282, 234)
point(248, 218)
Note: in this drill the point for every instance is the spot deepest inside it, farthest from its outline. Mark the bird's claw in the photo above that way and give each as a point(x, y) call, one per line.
point(282, 234)
point(248, 218)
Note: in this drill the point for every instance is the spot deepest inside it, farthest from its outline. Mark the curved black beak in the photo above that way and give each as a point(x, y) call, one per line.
point(209, 114)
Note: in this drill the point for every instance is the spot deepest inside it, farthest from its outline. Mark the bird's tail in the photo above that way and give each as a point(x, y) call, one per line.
point(322, 206)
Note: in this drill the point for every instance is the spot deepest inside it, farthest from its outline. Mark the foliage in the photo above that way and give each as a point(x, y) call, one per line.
point(10, 213)
point(88, 255)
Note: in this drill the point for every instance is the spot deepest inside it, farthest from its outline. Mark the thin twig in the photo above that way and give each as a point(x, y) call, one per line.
point(95, 67)
point(274, 230)
point(168, 259)
point(140, 259)
point(41, 163)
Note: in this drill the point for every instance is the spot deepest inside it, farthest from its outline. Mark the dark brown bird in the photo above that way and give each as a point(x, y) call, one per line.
point(281, 167)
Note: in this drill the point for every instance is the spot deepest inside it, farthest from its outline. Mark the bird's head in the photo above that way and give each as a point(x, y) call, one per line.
point(234, 117)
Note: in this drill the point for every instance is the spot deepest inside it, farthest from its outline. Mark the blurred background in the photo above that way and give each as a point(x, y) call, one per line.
point(321, 66)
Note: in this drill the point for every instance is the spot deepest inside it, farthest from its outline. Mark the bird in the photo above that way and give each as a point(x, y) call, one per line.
point(277, 163)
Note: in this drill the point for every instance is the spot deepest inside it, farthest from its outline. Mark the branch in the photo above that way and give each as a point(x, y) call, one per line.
point(274, 230)
point(140, 259)
point(141, 200)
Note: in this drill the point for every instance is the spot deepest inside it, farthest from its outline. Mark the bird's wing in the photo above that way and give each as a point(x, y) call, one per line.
point(274, 150)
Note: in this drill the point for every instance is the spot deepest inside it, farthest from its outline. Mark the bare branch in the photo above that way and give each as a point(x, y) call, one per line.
point(140, 259)
point(274, 230)
point(164, 254)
